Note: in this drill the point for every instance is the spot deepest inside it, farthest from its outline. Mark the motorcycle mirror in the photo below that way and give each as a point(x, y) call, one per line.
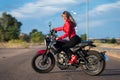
point(49, 24)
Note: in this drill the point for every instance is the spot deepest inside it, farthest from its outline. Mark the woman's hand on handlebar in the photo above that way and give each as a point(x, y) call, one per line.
point(54, 30)
point(57, 38)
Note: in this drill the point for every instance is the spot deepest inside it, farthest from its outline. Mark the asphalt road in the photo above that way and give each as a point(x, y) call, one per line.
point(15, 64)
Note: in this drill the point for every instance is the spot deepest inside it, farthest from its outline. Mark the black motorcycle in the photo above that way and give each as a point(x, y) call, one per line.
point(91, 62)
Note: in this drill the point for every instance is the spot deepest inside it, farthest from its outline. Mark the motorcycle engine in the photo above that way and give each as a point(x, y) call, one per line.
point(62, 58)
point(62, 62)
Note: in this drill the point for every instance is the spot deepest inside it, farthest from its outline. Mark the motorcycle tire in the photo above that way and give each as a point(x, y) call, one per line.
point(94, 59)
point(36, 66)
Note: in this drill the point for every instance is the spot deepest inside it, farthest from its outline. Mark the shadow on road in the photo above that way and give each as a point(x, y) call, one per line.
point(111, 72)
point(107, 72)
point(66, 71)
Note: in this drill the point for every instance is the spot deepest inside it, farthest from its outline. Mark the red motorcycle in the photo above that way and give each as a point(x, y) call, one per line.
point(91, 62)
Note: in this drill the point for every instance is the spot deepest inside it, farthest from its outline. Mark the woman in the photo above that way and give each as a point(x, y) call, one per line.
point(69, 29)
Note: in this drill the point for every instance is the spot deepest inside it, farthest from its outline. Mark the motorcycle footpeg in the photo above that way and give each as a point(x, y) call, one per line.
point(82, 62)
point(68, 64)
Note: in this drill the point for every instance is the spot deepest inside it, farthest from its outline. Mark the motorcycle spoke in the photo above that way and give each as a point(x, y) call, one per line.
point(93, 63)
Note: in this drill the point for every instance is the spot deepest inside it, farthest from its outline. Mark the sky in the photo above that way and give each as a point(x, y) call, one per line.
point(103, 15)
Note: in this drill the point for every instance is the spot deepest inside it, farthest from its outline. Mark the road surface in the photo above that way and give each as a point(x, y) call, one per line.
point(15, 64)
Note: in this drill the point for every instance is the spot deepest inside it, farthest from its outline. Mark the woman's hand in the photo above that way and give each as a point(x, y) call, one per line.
point(54, 30)
point(57, 38)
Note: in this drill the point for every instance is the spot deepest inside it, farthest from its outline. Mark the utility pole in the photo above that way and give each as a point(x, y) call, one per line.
point(87, 21)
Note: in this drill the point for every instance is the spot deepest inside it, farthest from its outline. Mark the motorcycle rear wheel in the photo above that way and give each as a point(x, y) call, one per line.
point(96, 63)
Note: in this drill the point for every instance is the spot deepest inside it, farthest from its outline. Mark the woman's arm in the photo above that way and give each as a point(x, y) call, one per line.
point(67, 31)
point(58, 29)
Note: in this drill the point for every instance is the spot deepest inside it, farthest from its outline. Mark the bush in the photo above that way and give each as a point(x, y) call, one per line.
point(37, 37)
point(17, 44)
point(112, 40)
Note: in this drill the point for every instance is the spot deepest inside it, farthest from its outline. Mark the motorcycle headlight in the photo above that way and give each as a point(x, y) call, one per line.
point(47, 41)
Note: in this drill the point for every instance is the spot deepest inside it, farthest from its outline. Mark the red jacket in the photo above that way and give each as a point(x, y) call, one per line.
point(68, 28)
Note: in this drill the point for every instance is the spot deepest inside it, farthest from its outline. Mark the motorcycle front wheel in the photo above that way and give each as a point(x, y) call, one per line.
point(43, 63)
point(96, 63)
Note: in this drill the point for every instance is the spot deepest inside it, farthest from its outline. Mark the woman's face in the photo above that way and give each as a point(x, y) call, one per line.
point(64, 17)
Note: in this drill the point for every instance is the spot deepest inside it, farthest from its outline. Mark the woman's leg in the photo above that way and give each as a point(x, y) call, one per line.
point(66, 47)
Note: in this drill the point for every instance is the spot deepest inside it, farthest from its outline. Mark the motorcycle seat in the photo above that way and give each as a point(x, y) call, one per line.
point(84, 44)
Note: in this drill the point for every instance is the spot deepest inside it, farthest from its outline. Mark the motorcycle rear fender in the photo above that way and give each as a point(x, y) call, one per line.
point(41, 51)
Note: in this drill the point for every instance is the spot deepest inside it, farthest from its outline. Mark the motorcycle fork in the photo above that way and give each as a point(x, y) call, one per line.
point(45, 56)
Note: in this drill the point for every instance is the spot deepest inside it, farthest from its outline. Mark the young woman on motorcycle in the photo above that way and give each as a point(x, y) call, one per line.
point(69, 29)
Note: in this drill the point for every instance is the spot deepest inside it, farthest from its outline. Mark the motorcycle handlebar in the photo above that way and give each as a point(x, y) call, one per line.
point(54, 31)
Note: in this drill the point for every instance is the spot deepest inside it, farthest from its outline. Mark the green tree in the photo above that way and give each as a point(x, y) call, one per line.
point(113, 40)
point(33, 31)
point(24, 37)
point(83, 36)
point(37, 37)
point(9, 27)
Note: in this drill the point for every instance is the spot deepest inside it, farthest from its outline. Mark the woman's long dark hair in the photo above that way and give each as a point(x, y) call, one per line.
point(69, 16)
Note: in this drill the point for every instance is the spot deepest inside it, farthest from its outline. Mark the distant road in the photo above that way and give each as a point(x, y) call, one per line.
point(18, 67)
point(111, 51)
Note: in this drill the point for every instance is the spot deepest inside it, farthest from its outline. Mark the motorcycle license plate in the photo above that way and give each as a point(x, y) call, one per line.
point(106, 57)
